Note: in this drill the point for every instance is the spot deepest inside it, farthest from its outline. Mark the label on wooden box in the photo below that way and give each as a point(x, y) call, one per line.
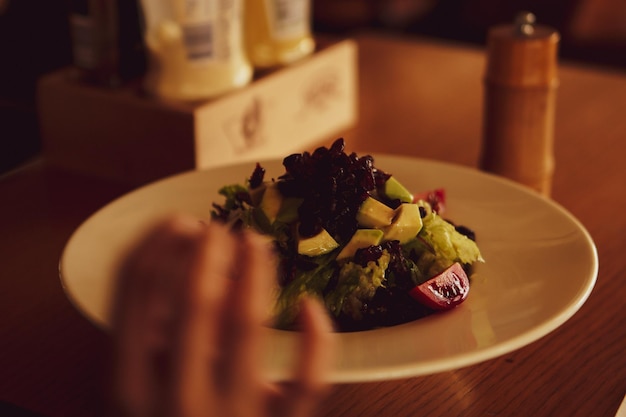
point(282, 113)
point(124, 135)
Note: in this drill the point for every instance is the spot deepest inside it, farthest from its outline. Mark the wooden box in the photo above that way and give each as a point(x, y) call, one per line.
point(125, 135)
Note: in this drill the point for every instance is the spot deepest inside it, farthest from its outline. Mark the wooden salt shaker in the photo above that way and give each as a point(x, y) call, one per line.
point(520, 96)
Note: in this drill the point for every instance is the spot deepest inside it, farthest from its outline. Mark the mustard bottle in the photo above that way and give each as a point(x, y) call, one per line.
point(195, 47)
point(277, 32)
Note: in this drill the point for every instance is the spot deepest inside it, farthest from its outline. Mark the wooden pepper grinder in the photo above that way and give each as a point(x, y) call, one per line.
point(520, 97)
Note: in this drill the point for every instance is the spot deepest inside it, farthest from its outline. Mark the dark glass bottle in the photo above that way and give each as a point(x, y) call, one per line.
point(107, 41)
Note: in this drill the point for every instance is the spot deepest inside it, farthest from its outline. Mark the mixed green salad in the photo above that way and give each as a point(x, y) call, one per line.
point(354, 236)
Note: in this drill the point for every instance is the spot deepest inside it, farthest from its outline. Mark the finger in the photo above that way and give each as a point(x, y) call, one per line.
point(141, 306)
point(317, 346)
point(246, 309)
point(317, 343)
point(200, 305)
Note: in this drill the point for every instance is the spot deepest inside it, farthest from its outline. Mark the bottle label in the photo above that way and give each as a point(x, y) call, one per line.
point(211, 29)
point(288, 19)
point(91, 44)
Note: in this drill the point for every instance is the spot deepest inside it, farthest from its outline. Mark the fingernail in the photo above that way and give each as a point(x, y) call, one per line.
point(184, 224)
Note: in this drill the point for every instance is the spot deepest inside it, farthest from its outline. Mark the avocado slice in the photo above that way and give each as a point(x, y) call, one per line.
point(288, 212)
point(317, 245)
point(406, 223)
point(271, 201)
point(362, 238)
point(394, 190)
point(256, 194)
point(374, 214)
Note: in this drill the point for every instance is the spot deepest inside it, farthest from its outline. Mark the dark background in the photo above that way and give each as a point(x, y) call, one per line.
point(35, 39)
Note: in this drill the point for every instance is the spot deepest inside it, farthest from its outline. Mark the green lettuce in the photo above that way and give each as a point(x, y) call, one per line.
point(446, 242)
point(356, 285)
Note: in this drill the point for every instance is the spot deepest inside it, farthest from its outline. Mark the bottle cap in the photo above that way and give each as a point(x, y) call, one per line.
point(522, 54)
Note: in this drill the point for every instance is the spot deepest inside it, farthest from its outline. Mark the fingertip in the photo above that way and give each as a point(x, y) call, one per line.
point(318, 341)
point(177, 226)
point(180, 223)
point(144, 258)
point(262, 244)
point(316, 358)
point(314, 316)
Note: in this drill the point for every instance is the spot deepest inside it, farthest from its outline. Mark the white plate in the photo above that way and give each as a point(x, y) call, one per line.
point(541, 266)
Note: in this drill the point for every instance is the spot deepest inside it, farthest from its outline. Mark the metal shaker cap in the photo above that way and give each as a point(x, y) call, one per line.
point(522, 54)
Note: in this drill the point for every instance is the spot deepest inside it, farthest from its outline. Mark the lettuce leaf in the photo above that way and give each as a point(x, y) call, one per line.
point(311, 282)
point(356, 285)
point(446, 242)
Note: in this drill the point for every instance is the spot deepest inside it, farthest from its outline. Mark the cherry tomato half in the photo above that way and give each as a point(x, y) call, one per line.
point(436, 198)
point(443, 291)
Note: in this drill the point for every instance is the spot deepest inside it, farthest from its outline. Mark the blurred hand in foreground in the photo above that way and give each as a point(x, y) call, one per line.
point(188, 329)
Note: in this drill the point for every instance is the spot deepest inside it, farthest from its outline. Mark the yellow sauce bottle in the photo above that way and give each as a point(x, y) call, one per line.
point(277, 32)
point(196, 48)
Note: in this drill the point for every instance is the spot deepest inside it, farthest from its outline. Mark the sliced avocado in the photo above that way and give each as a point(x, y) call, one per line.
point(394, 190)
point(374, 214)
point(288, 212)
point(271, 201)
point(317, 245)
point(256, 194)
point(261, 222)
point(362, 238)
point(405, 225)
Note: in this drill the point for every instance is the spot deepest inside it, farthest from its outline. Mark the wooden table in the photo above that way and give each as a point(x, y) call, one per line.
point(417, 98)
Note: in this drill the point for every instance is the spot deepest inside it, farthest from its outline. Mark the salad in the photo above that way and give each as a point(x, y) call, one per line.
point(351, 234)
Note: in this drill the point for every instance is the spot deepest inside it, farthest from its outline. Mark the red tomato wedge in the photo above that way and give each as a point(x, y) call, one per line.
point(444, 291)
point(436, 198)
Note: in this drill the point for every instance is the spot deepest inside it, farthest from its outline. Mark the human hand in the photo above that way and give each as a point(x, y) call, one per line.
point(188, 323)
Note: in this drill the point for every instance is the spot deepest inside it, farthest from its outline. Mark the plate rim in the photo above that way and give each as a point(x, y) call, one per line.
point(413, 369)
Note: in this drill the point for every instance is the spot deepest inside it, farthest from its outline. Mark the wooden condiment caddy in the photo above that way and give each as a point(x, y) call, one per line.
point(520, 96)
point(125, 135)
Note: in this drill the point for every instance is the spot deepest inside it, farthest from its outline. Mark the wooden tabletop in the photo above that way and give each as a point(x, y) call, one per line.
point(418, 98)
